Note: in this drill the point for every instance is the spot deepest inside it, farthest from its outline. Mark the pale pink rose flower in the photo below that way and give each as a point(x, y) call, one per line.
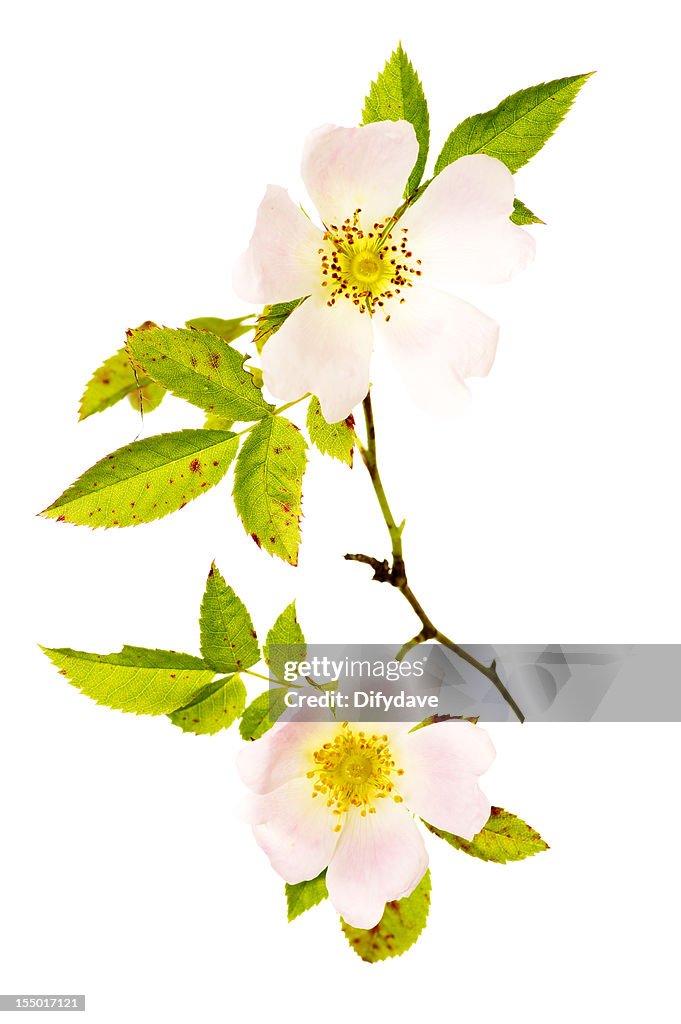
point(344, 797)
point(364, 274)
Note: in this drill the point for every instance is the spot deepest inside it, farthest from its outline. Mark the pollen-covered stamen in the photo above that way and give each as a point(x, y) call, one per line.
point(354, 770)
point(367, 267)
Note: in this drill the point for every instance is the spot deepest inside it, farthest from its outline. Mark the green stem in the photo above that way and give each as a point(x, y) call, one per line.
point(395, 572)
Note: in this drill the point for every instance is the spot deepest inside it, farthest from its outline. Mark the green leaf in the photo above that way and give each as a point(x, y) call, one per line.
point(114, 379)
point(518, 128)
point(136, 679)
point(228, 640)
point(271, 319)
point(399, 928)
point(521, 214)
point(147, 398)
point(268, 482)
point(262, 713)
point(201, 368)
point(505, 837)
point(109, 384)
point(214, 422)
point(146, 479)
point(334, 439)
point(285, 642)
point(397, 95)
point(216, 708)
point(228, 330)
point(305, 895)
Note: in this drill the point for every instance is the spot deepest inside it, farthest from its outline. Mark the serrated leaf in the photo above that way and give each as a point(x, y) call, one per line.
point(201, 368)
point(399, 928)
point(504, 838)
point(228, 330)
point(397, 95)
point(228, 640)
point(271, 319)
point(305, 895)
point(285, 642)
point(146, 399)
point(521, 214)
point(262, 713)
point(113, 381)
point(268, 483)
point(216, 708)
point(334, 439)
point(136, 679)
point(517, 128)
point(147, 479)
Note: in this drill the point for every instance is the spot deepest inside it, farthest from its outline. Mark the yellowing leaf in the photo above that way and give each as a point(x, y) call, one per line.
point(504, 838)
point(214, 709)
point(334, 439)
point(147, 479)
point(136, 679)
point(285, 642)
point(399, 928)
point(228, 640)
point(201, 368)
point(268, 482)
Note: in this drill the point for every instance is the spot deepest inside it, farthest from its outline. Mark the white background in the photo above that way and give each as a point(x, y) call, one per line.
point(139, 139)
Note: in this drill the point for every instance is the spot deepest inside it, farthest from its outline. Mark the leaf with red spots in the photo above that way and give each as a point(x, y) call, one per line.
point(268, 484)
point(147, 479)
point(334, 439)
point(201, 368)
point(136, 679)
point(262, 713)
point(285, 643)
point(115, 379)
point(228, 640)
point(505, 837)
point(215, 708)
point(399, 928)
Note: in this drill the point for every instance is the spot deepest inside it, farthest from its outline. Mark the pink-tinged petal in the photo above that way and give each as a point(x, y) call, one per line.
point(324, 350)
point(438, 340)
point(295, 830)
point(379, 858)
point(346, 169)
point(441, 765)
point(282, 754)
point(460, 227)
point(282, 259)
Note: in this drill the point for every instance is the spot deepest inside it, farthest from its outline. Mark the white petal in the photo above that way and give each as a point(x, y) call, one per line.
point(379, 858)
point(346, 169)
point(295, 830)
point(283, 753)
point(438, 340)
point(282, 260)
point(324, 350)
point(460, 227)
point(441, 765)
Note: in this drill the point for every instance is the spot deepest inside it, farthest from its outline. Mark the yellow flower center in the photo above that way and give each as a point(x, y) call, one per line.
point(355, 769)
point(368, 268)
